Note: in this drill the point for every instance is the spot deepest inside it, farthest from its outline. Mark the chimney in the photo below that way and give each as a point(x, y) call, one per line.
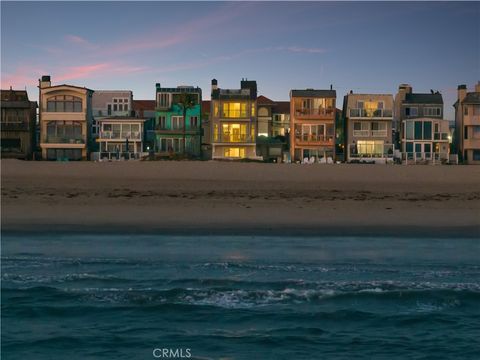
point(214, 84)
point(462, 92)
point(331, 87)
point(477, 87)
point(44, 82)
point(157, 85)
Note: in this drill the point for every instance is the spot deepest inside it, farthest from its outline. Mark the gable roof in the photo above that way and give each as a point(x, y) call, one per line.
point(314, 93)
point(424, 99)
point(263, 100)
point(472, 98)
point(73, 86)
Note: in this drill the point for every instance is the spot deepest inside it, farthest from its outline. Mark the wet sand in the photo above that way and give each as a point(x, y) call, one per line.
point(240, 198)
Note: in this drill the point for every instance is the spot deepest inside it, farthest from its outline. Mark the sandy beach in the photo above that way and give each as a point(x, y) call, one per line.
point(240, 198)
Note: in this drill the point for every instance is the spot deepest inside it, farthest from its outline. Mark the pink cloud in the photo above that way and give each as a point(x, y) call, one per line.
point(77, 40)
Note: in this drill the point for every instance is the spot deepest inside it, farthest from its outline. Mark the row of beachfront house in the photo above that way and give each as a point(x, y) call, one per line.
point(77, 123)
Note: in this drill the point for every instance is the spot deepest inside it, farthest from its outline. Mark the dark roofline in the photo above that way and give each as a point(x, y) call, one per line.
point(74, 86)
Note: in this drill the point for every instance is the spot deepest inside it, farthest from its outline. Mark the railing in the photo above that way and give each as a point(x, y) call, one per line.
point(440, 136)
point(371, 113)
point(379, 133)
point(425, 157)
point(135, 135)
point(313, 112)
point(177, 129)
point(235, 114)
point(235, 139)
point(20, 126)
point(312, 137)
point(108, 155)
point(361, 133)
point(64, 140)
point(368, 133)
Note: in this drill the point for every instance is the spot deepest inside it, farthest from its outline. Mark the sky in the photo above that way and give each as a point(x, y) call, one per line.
point(367, 47)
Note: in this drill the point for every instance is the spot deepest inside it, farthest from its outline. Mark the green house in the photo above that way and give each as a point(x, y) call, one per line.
point(174, 135)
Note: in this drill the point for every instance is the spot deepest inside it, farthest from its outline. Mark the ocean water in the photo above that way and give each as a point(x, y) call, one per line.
point(227, 297)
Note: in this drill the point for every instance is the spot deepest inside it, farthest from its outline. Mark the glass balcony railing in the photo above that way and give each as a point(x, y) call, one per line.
point(119, 135)
point(235, 114)
point(440, 136)
point(235, 138)
point(368, 113)
point(64, 140)
point(312, 112)
point(313, 138)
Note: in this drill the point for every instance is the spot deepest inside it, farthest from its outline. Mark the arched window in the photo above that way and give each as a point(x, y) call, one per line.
point(64, 103)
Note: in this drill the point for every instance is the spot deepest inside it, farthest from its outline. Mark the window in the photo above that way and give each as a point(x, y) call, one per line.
point(215, 109)
point(171, 145)
point(432, 111)
point(234, 110)
point(465, 131)
point(361, 128)
point(379, 128)
point(115, 107)
point(164, 100)
point(162, 122)
point(234, 152)
point(215, 132)
point(418, 130)
point(409, 130)
point(411, 111)
point(253, 109)
point(465, 110)
point(64, 103)
point(476, 110)
point(194, 122)
point(476, 132)
point(252, 130)
point(234, 132)
point(409, 147)
point(427, 130)
point(370, 147)
point(109, 109)
point(476, 155)
point(177, 122)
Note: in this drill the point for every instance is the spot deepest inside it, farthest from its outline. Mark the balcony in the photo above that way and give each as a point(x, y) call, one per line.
point(320, 112)
point(177, 130)
point(471, 120)
point(235, 139)
point(364, 113)
point(15, 126)
point(132, 135)
point(313, 139)
point(235, 114)
point(361, 133)
point(441, 136)
point(64, 140)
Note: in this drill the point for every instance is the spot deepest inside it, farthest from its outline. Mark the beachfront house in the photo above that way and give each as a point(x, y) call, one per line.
point(233, 118)
point(424, 135)
point(312, 124)
point(367, 121)
point(467, 123)
point(173, 135)
point(145, 109)
point(65, 116)
point(18, 124)
point(272, 127)
point(120, 138)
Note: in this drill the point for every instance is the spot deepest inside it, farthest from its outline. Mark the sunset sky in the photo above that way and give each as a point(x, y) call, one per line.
point(364, 47)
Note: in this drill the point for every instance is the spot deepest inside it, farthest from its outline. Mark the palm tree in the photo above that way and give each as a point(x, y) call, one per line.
point(186, 101)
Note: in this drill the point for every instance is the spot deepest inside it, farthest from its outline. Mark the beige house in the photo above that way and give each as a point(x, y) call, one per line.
point(312, 129)
point(233, 119)
point(467, 124)
point(368, 127)
point(65, 116)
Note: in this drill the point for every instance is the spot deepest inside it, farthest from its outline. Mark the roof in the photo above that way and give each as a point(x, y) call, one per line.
point(121, 118)
point(73, 86)
point(281, 107)
point(263, 100)
point(314, 93)
point(144, 105)
point(14, 95)
point(472, 98)
point(19, 104)
point(205, 106)
point(424, 99)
